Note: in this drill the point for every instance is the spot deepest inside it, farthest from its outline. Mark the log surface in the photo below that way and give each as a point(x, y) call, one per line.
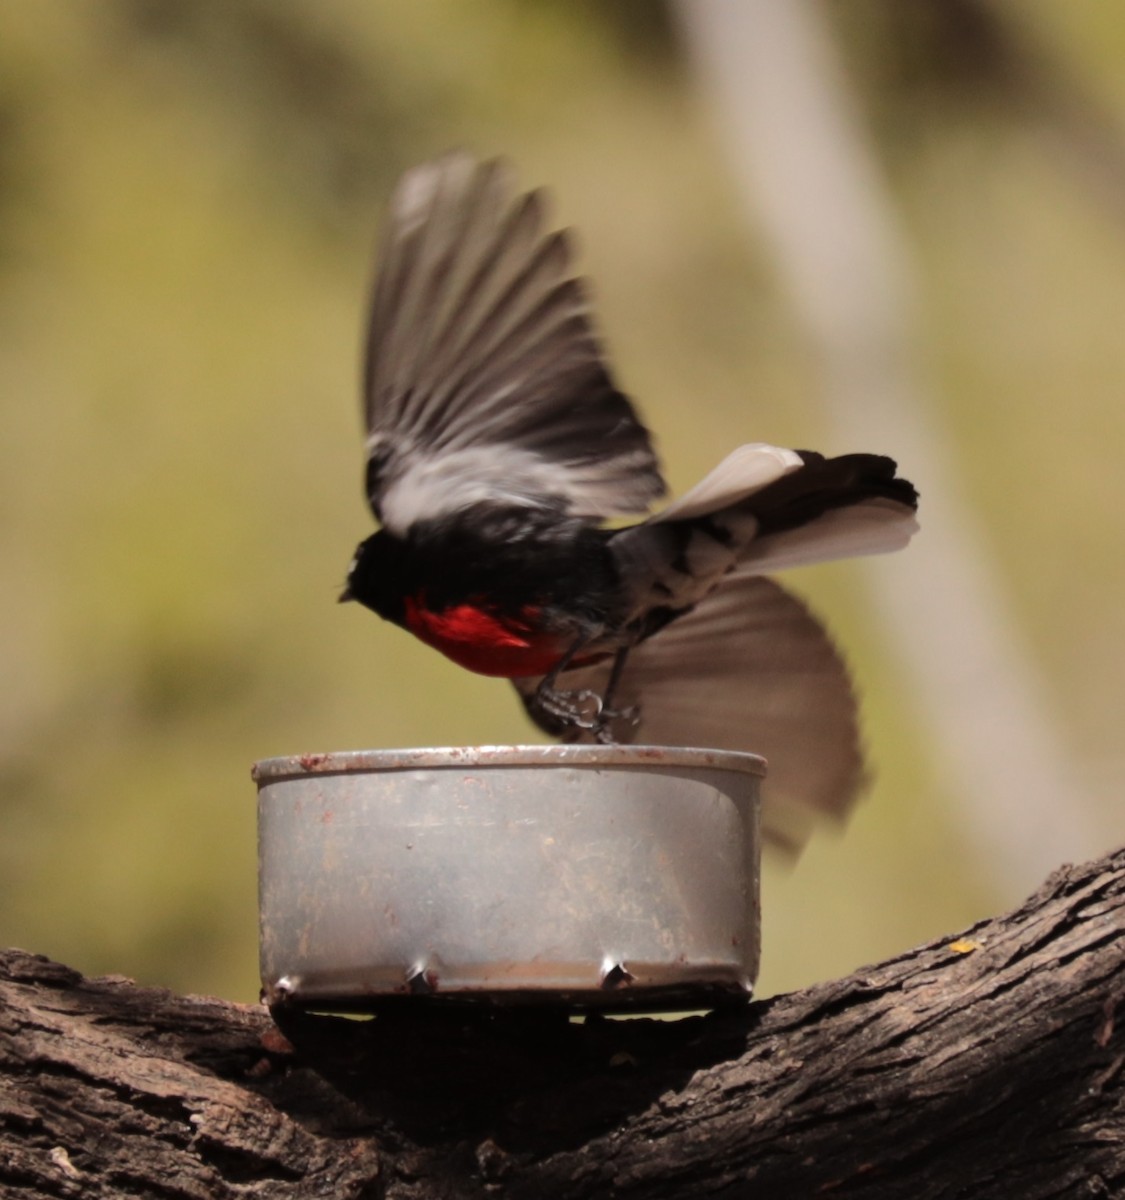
point(989, 1064)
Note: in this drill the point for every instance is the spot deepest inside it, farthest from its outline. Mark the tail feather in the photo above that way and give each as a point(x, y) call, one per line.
point(743, 472)
point(762, 509)
point(825, 485)
point(874, 526)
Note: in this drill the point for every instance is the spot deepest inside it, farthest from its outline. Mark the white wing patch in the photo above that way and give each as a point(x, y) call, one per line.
point(459, 479)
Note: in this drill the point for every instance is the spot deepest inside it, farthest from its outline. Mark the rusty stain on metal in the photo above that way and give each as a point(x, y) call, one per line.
point(502, 756)
point(596, 876)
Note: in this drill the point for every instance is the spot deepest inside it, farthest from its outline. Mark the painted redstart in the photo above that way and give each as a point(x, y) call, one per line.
point(497, 445)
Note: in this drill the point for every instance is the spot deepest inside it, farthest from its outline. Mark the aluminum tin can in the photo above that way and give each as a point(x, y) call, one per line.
point(613, 877)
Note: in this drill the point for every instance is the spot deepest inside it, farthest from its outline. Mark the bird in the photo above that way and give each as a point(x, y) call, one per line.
point(502, 466)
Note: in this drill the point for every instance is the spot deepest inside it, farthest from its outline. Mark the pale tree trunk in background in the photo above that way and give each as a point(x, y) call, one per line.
point(812, 185)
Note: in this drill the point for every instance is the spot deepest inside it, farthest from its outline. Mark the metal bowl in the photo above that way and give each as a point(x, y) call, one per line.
point(593, 876)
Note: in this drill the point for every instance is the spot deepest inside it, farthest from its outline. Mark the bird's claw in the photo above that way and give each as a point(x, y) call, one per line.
point(610, 717)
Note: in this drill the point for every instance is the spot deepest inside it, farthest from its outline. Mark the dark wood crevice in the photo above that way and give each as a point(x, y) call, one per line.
point(988, 1064)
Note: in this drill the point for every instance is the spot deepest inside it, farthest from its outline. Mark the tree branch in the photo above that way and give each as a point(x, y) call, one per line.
point(989, 1065)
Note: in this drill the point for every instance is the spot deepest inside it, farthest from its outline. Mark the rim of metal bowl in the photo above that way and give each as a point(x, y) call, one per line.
point(359, 761)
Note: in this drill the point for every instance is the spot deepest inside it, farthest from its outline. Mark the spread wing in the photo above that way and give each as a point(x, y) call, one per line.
point(483, 379)
point(750, 668)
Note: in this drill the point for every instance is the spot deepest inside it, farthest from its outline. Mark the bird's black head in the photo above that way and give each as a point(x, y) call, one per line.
point(378, 576)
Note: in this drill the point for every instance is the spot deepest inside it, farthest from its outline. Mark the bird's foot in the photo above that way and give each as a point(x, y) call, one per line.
point(583, 711)
point(571, 710)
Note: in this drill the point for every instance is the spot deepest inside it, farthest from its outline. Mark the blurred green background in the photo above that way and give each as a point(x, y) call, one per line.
point(189, 196)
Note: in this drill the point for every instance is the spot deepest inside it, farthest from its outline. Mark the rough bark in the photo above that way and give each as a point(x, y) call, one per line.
point(987, 1065)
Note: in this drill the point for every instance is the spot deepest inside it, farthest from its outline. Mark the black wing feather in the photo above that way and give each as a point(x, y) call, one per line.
point(483, 376)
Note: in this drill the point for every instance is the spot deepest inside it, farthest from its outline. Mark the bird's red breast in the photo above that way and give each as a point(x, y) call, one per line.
point(485, 642)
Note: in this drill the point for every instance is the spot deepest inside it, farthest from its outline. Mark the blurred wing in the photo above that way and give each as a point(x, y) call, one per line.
point(750, 668)
point(483, 379)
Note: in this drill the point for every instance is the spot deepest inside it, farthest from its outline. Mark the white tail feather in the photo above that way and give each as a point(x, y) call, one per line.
point(874, 526)
point(742, 473)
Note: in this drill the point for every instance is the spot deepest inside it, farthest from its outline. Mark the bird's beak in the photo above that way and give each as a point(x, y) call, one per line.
point(345, 595)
